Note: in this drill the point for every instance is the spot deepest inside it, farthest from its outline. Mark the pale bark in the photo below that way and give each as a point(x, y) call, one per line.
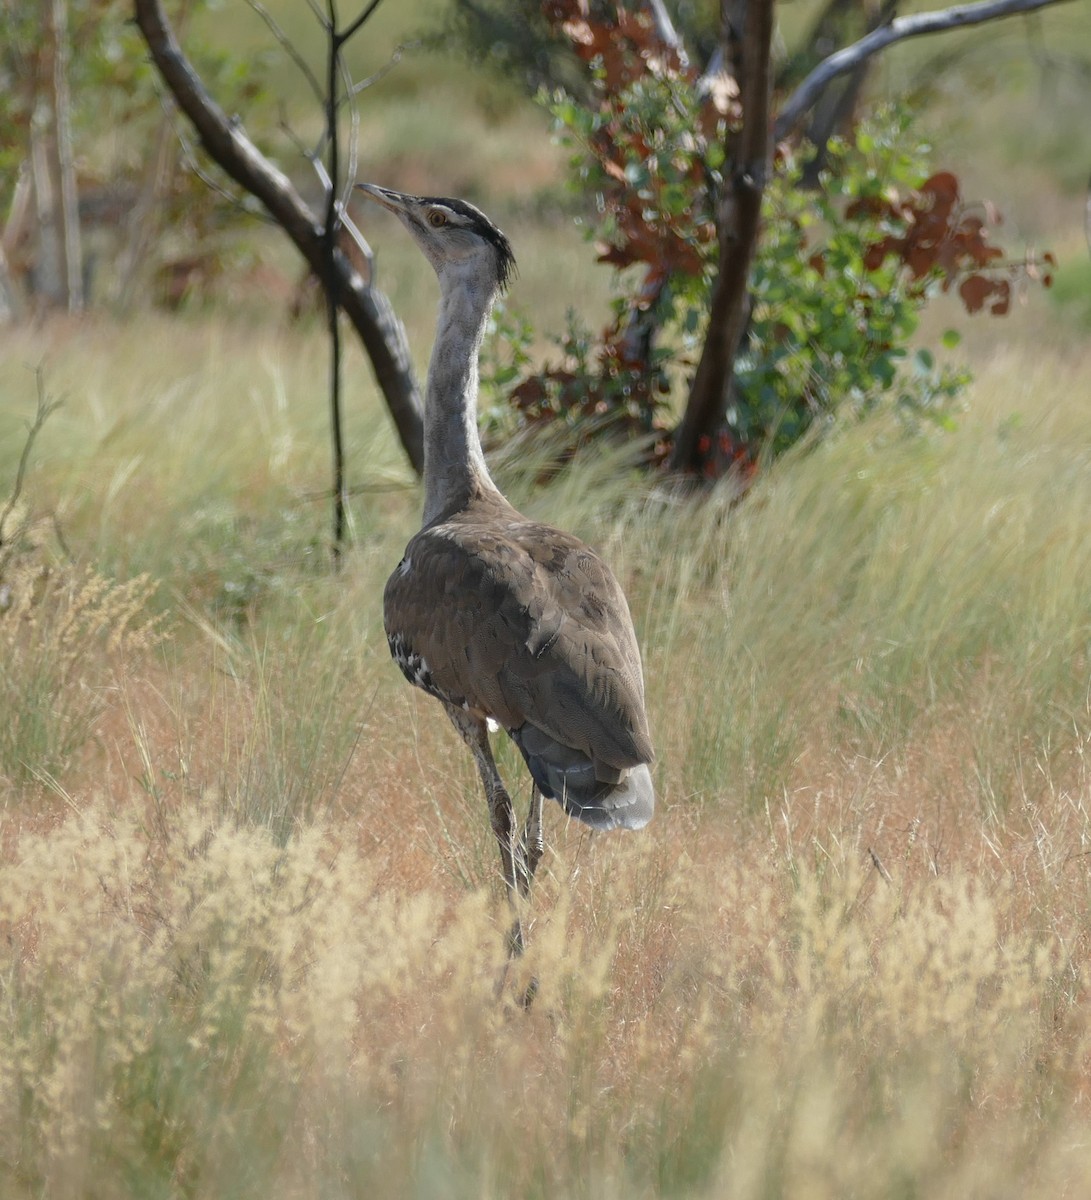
point(917, 25)
point(59, 265)
point(48, 272)
point(18, 231)
point(10, 308)
point(65, 163)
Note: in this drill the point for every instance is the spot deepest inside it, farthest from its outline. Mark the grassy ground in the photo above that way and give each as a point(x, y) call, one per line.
point(246, 878)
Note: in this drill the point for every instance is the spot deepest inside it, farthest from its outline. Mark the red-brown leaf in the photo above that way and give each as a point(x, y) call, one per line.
point(943, 186)
point(875, 253)
point(920, 260)
point(528, 393)
point(975, 290)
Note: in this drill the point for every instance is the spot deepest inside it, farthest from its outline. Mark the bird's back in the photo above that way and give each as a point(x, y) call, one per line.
point(522, 623)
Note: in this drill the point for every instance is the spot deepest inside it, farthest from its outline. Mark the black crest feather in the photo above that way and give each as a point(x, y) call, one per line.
point(505, 256)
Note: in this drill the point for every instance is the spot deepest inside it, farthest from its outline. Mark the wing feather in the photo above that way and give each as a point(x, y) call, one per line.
point(522, 622)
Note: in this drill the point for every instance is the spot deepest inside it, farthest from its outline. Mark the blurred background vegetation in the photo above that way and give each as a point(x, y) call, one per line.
point(650, 136)
point(254, 930)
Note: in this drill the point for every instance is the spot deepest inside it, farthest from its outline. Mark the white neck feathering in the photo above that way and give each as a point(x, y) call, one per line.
point(454, 463)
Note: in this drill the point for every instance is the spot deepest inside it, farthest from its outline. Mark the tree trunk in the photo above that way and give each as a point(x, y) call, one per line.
point(59, 278)
point(10, 307)
point(17, 235)
point(141, 225)
point(48, 275)
point(738, 222)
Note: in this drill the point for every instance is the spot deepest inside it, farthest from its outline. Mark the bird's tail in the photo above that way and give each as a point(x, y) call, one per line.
point(628, 804)
point(623, 800)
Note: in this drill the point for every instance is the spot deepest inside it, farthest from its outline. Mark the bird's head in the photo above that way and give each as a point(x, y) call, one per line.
point(454, 236)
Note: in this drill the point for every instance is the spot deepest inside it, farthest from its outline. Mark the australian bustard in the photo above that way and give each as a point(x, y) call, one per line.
point(501, 618)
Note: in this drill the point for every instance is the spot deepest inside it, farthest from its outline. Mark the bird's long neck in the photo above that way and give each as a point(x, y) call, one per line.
point(454, 463)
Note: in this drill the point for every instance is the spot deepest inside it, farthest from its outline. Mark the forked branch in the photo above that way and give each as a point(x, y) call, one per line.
point(225, 140)
point(11, 532)
point(917, 25)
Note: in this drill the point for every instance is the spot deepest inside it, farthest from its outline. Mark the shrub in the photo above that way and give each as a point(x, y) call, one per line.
point(58, 629)
point(841, 274)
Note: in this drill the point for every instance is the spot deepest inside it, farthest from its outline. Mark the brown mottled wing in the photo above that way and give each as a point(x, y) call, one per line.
point(521, 622)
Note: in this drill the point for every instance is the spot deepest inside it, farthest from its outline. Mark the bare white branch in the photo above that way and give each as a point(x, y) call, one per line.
point(898, 30)
point(286, 45)
point(664, 27)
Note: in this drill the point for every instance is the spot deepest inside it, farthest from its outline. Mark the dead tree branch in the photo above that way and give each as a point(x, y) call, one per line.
point(289, 49)
point(226, 142)
point(802, 99)
point(10, 532)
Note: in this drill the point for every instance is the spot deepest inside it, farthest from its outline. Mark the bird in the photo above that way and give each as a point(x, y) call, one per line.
point(510, 623)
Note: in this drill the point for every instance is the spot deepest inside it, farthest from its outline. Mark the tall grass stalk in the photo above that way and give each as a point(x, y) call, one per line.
point(221, 1013)
point(258, 952)
point(62, 632)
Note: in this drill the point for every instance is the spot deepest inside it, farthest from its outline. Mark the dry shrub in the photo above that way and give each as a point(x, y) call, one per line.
point(204, 1010)
point(61, 628)
point(277, 975)
point(159, 980)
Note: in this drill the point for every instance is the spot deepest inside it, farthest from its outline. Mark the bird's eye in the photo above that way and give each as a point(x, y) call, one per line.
point(437, 218)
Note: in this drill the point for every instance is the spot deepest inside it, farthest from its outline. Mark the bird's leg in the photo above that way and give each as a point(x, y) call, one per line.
point(475, 734)
point(533, 843)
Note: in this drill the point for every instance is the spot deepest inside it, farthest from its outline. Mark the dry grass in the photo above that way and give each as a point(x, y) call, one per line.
point(246, 881)
point(64, 633)
point(255, 928)
point(199, 1010)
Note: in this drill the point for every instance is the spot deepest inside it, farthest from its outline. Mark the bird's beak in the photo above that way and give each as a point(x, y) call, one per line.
point(394, 201)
